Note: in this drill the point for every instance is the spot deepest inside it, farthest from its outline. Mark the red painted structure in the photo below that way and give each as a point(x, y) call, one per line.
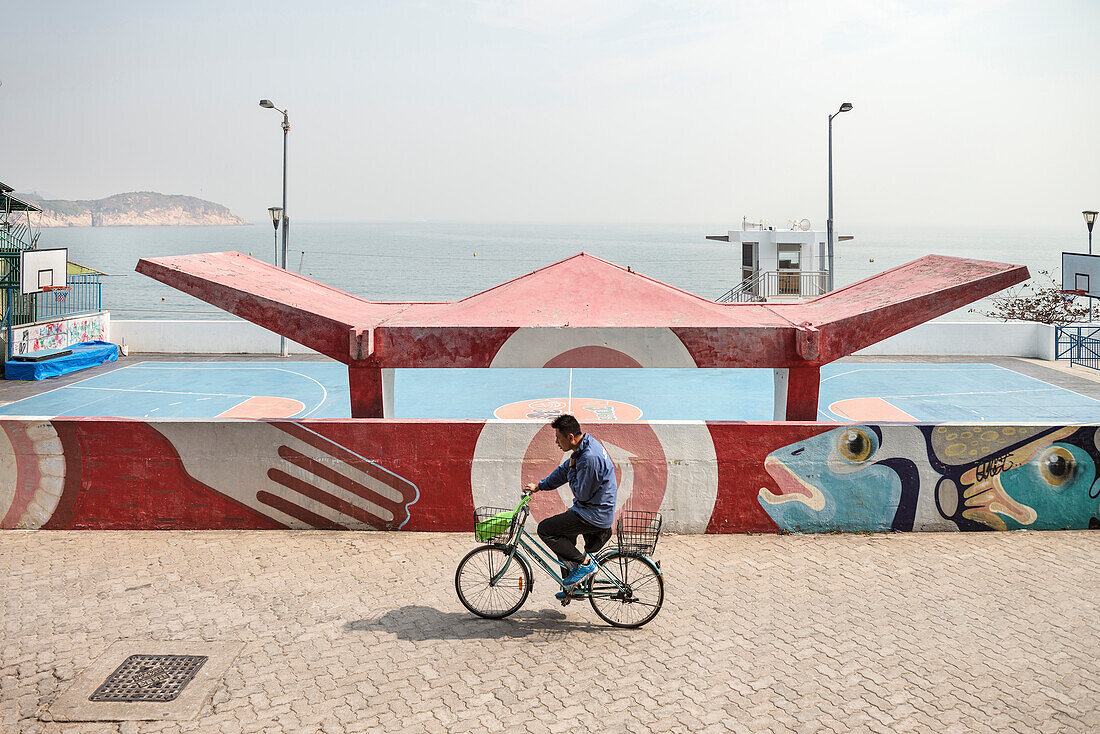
point(713, 477)
point(597, 303)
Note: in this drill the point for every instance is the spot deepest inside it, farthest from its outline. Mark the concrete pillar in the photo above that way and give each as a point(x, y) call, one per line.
point(779, 395)
point(796, 393)
point(371, 391)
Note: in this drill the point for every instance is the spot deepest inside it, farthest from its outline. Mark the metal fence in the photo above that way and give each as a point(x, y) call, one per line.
point(83, 295)
point(15, 237)
point(777, 283)
point(1078, 344)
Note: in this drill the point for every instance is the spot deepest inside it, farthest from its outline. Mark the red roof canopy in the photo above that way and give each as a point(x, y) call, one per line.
point(592, 298)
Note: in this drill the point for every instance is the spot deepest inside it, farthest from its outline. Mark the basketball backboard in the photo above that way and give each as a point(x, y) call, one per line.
point(44, 269)
point(1081, 272)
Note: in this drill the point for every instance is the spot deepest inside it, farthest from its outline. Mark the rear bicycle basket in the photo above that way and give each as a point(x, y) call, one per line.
point(494, 524)
point(638, 531)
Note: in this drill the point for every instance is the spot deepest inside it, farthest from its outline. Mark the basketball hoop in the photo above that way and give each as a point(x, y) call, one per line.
point(60, 292)
point(1069, 294)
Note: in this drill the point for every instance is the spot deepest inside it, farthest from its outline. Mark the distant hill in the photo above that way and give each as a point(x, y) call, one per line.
point(137, 208)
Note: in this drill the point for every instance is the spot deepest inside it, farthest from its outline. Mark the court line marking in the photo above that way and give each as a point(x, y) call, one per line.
point(231, 407)
point(231, 365)
point(163, 366)
point(975, 367)
point(318, 406)
point(1036, 379)
point(953, 394)
point(569, 395)
point(69, 411)
point(970, 368)
point(72, 384)
point(169, 392)
point(1049, 387)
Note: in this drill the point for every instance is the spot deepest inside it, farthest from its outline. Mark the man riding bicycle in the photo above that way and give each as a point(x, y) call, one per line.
point(591, 477)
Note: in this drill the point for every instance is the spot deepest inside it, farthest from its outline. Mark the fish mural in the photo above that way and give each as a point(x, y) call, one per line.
point(898, 477)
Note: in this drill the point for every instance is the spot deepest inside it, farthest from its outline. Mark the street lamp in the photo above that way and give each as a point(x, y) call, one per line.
point(1090, 219)
point(276, 214)
point(844, 107)
point(282, 212)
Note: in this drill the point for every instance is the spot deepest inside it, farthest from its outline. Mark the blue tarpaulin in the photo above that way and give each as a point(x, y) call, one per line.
point(85, 355)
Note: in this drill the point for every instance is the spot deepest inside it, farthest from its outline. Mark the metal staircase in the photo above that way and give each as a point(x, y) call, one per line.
point(777, 284)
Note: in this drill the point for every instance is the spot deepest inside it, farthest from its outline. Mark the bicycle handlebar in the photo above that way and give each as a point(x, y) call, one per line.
point(524, 500)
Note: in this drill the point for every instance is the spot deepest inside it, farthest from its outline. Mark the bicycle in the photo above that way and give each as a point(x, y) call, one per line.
point(494, 581)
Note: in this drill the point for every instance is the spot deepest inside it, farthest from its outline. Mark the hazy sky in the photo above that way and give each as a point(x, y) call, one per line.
point(571, 110)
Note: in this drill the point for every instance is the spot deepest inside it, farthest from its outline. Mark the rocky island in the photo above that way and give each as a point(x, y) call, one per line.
point(137, 208)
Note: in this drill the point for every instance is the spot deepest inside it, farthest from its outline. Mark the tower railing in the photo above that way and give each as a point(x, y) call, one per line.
point(765, 284)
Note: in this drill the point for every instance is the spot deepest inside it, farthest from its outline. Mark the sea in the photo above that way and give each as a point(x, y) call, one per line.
point(425, 261)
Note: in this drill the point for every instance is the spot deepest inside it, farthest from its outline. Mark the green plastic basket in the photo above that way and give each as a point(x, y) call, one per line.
point(494, 524)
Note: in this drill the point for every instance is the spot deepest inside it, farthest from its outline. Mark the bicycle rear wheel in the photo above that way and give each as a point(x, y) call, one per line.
point(473, 582)
point(639, 602)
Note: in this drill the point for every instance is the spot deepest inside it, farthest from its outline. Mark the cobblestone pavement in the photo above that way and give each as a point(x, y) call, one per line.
point(363, 632)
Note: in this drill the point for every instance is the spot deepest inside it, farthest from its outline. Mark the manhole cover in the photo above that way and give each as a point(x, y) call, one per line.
point(149, 678)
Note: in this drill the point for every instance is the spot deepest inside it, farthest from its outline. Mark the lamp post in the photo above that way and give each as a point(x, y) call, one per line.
point(844, 107)
point(276, 214)
point(1090, 219)
point(282, 212)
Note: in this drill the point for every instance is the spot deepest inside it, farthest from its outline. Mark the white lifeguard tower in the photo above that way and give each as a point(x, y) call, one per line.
point(779, 264)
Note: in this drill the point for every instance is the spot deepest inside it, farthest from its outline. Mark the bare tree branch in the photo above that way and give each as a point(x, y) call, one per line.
point(1039, 299)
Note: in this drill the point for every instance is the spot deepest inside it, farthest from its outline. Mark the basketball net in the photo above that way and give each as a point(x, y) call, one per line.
point(60, 292)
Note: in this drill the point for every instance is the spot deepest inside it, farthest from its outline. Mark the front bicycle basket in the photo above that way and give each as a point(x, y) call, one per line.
point(494, 524)
point(638, 531)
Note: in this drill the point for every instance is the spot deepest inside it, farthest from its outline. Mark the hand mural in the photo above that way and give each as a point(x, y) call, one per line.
point(294, 475)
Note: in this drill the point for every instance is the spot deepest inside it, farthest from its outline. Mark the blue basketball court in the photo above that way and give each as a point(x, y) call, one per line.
point(849, 391)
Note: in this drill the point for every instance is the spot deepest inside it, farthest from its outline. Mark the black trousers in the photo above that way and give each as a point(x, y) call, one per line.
point(560, 534)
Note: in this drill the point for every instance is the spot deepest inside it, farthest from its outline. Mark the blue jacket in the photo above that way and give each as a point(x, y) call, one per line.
point(591, 476)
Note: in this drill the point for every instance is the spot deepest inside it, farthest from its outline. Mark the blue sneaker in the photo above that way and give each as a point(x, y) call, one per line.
point(579, 574)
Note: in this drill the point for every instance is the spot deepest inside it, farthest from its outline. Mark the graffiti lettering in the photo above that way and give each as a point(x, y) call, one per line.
point(544, 414)
point(603, 412)
point(992, 467)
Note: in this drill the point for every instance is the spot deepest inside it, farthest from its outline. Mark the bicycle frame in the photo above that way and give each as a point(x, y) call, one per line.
point(532, 549)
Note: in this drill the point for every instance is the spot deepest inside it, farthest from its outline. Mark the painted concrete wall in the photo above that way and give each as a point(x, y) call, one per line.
point(429, 475)
point(935, 337)
point(198, 337)
point(62, 332)
point(982, 338)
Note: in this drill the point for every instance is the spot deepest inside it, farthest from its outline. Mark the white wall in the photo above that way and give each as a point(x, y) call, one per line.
point(769, 239)
point(978, 338)
point(198, 337)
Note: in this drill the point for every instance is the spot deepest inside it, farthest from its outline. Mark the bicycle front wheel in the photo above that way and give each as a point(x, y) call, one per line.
point(638, 601)
point(475, 587)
